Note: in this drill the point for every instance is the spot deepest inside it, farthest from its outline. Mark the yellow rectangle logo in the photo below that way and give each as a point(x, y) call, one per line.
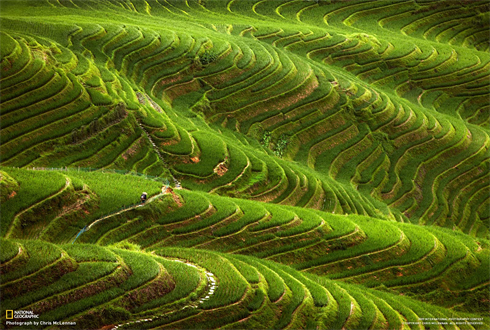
point(10, 314)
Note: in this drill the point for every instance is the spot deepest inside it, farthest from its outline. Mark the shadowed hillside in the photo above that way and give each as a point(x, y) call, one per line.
point(185, 288)
point(430, 264)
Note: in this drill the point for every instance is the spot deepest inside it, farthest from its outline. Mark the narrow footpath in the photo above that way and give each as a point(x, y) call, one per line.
point(210, 289)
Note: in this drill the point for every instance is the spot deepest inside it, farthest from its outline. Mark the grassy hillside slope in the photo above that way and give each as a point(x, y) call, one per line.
point(329, 146)
point(189, 288)
point(432, 264)
point(400, 119)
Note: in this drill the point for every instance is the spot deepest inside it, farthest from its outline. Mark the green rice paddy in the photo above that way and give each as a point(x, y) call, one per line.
point(308, 164)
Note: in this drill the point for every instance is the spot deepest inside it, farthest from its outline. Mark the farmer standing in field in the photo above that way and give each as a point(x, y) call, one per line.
point(143, 197)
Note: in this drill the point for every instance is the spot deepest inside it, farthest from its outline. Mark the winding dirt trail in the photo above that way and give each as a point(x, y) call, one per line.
point(127, 209)
point(206, 295)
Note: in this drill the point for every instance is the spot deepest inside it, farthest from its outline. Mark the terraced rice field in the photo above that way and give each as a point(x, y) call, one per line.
point(308, 164)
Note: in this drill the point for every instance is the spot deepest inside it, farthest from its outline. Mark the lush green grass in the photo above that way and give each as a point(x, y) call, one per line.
point(40, 254)
point(9, 250)
point(232, 285)
point(118, 190)
point(354, 248)
point(229, 281)
point(302, 132)
point(85, 273)
point(187, 281)
point(33, 189)
point(120, 43)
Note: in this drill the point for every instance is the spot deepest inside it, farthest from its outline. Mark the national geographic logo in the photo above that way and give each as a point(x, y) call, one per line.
point(25, 319)
point(11, 314)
